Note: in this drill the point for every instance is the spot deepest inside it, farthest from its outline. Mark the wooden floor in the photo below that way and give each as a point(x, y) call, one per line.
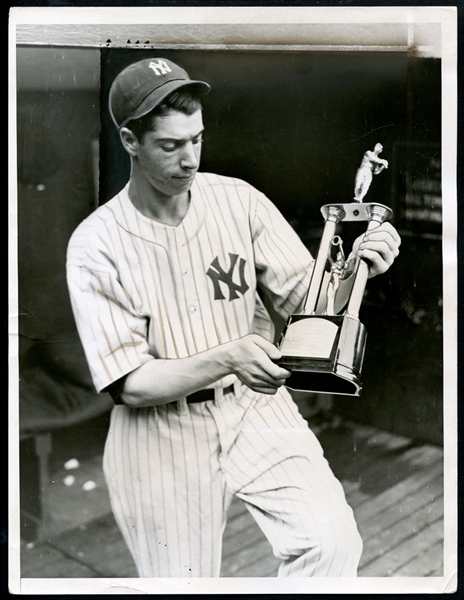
point(394, 486)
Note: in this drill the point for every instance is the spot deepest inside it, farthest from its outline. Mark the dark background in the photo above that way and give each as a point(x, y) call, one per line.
point(295, 125)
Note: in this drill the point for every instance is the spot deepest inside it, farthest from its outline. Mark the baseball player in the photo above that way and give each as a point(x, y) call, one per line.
point(164, 285)
point(371, 164)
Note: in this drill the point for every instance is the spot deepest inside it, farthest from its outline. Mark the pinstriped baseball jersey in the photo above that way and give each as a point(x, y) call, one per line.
point(143, 290)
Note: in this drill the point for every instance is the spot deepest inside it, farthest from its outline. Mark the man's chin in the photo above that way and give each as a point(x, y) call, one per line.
point(183, 184)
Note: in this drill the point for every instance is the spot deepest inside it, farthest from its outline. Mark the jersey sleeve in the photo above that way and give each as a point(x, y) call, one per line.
point(113, 335)
point(283, 263)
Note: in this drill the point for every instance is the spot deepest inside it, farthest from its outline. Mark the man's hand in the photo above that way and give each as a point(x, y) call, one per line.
point(251, 360)
point(379, 247)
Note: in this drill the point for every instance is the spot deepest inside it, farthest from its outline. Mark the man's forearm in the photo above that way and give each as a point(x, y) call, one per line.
point(161, 381)
point(251, 358)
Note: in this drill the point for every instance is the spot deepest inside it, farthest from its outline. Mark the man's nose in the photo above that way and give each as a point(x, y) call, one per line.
point(190, 156)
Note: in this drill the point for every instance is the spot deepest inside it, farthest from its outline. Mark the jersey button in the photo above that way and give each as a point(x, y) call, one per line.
point(192, 308)
point(184, 271)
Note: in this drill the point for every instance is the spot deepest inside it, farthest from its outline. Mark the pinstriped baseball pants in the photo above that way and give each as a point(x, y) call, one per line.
point(173, 470)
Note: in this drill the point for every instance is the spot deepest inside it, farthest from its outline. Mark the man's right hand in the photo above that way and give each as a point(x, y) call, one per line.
point(252, 359)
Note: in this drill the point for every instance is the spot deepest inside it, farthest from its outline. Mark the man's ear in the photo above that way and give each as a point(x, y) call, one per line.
point(129, 141)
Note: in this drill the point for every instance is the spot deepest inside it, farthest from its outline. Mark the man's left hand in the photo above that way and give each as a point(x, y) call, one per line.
point(379, 247)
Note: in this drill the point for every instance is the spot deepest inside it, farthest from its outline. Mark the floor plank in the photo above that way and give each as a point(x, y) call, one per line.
point(251, 561)
point(385, 472)
point(403, 553)
point(237, 508)
point(107, 553)
point(45, 561)
point(392, 536)
point(426, 564)
point(350, 444)
point(234, 541)
point(368, 510)
point(405, 508)
point(33, 555)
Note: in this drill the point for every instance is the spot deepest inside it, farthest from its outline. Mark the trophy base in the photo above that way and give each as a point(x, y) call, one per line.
point(324, 353)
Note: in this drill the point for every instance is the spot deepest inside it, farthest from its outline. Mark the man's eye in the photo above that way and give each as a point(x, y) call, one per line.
point(172, 147)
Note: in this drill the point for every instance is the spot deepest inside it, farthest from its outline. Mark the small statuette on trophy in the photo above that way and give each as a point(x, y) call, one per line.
point(371, 165)
point(323, 350)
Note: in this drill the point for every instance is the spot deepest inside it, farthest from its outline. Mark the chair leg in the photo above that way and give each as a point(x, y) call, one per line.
point(43, 448)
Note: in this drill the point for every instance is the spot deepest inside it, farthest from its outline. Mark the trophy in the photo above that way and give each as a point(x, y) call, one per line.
point(325, 351)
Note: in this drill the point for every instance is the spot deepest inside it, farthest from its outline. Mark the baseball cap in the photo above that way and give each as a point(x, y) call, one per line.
point(143, 85)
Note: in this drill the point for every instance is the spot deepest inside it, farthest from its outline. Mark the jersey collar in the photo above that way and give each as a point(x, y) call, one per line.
point(133, 221)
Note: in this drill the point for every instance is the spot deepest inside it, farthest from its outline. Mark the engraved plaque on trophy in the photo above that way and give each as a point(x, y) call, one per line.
point(325, 351)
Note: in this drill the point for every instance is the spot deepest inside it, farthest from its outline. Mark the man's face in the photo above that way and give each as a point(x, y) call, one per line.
point(168, 156)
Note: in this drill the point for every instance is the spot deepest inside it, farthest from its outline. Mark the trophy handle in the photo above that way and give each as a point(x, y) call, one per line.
point(377, 214)
point(333, 215)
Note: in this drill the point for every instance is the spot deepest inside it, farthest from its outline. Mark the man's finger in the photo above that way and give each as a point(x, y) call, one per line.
point(268, 390)
point(270, 367)
point(267, 379)
point(388, 230)
point(377, 262)
point(269, 348)
point(381, 247)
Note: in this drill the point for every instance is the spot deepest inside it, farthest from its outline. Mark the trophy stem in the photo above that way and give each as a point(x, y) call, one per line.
point(334, 215)
point(377, 215)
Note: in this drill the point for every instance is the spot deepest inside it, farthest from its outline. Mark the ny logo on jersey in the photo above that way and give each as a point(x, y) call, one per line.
point(160, 67)
point(218, 274)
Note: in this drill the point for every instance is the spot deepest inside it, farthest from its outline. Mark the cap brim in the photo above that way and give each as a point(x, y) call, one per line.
point(158, 95)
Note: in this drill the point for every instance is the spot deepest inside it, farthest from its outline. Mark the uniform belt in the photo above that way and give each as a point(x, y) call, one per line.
point(204, 395)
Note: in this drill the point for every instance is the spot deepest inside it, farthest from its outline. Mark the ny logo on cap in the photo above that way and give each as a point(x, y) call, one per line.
point(160, 68)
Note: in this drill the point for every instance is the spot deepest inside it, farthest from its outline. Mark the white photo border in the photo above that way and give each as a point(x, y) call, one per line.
point(99, 22)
